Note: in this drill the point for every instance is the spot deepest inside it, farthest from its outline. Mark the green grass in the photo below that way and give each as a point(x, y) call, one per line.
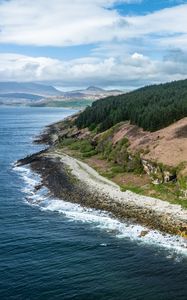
point(117, 169)
point(134, 189)
point(82, 103)
point(82, 149)
point(67, 142)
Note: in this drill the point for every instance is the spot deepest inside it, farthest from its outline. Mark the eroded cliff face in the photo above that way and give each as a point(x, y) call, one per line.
point(159, 174)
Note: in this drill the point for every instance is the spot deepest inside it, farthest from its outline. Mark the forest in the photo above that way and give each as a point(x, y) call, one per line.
point(151, 107)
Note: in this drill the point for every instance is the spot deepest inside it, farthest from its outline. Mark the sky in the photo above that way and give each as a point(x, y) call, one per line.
point(108, 43)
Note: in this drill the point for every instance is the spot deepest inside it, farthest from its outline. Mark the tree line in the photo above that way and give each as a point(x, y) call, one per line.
point(152, 108)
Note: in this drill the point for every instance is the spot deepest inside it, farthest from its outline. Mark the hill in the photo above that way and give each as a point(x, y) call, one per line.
point(77, 98)
point(19, 98)
point(40, 95)
point(98, 92)
point(28, 88)
point(167, 146)
point(152, 108)
point(134, 160)
point(150, 160)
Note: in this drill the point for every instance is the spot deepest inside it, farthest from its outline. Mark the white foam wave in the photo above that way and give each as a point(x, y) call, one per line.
point(31, 178)
point(120, 229)
point(96, 218)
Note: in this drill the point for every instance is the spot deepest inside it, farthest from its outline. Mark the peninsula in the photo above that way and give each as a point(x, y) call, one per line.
point(125, 154)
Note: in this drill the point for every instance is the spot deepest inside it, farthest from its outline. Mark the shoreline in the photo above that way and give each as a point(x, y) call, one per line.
point(72, 180)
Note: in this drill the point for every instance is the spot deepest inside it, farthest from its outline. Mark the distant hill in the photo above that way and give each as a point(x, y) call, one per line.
point(20, 96)
point(152, 108)
point(35, 94)
point(28, 88)
point(19, 99)
point(93, 90)
point(77, 98)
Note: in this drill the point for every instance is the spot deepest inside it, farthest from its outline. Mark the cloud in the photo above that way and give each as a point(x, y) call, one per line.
point(58, 22)
point(131, 70)
point(65, 23)
point(127, 50)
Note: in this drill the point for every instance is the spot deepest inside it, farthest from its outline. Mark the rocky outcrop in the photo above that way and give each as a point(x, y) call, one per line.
point(159, 173)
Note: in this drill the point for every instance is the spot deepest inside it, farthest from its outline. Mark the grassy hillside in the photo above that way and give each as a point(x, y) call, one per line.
point(152, 108)
point(151, 161)
point(152, 164)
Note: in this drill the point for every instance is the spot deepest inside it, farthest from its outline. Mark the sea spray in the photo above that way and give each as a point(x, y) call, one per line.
point(97, 218)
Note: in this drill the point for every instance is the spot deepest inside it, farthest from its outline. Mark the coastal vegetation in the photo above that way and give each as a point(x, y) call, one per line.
point(152, 164)
point(152, 108)
point(75, 104)
point(108, 136)
point(135, 168)
point(126, 168)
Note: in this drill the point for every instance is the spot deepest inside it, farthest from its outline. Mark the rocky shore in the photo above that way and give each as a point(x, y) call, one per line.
point(72, 180)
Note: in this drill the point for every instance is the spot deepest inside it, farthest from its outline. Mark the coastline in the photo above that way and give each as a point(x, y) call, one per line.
point(72, 180)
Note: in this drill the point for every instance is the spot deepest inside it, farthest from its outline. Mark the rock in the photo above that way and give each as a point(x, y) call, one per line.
point(159, 174)
point(143, 233)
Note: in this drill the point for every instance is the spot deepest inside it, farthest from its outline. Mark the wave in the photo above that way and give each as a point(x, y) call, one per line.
point(96, 218)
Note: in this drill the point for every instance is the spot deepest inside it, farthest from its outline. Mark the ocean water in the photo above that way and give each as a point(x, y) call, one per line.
point(52, 249)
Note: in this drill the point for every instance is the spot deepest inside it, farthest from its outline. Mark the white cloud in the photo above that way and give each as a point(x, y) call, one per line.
point(122, 57)
point(135, 69)
point(64, 22)
point(57, 22)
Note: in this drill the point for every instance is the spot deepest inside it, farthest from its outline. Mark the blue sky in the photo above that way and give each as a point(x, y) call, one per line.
point(146, 6)
point(126, 44)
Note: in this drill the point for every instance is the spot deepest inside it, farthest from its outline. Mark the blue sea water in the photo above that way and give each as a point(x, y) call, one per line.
point(59, 250)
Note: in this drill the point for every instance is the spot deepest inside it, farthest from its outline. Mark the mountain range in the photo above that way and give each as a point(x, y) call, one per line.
point(28, 88)
point(19, 93)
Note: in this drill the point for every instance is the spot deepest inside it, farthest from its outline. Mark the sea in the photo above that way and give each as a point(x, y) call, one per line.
point(53, 249)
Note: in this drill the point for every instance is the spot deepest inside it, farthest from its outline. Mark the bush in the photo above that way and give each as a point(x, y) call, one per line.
point(89, 154)
point(84, 146)
point(67, 142)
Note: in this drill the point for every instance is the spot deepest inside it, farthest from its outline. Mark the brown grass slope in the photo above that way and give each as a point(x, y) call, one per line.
point(167, 146)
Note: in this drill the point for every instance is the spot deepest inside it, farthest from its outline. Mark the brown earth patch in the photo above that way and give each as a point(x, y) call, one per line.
point(181, 132)
point(132, 179)
point(97, 163)
point(167, 146)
